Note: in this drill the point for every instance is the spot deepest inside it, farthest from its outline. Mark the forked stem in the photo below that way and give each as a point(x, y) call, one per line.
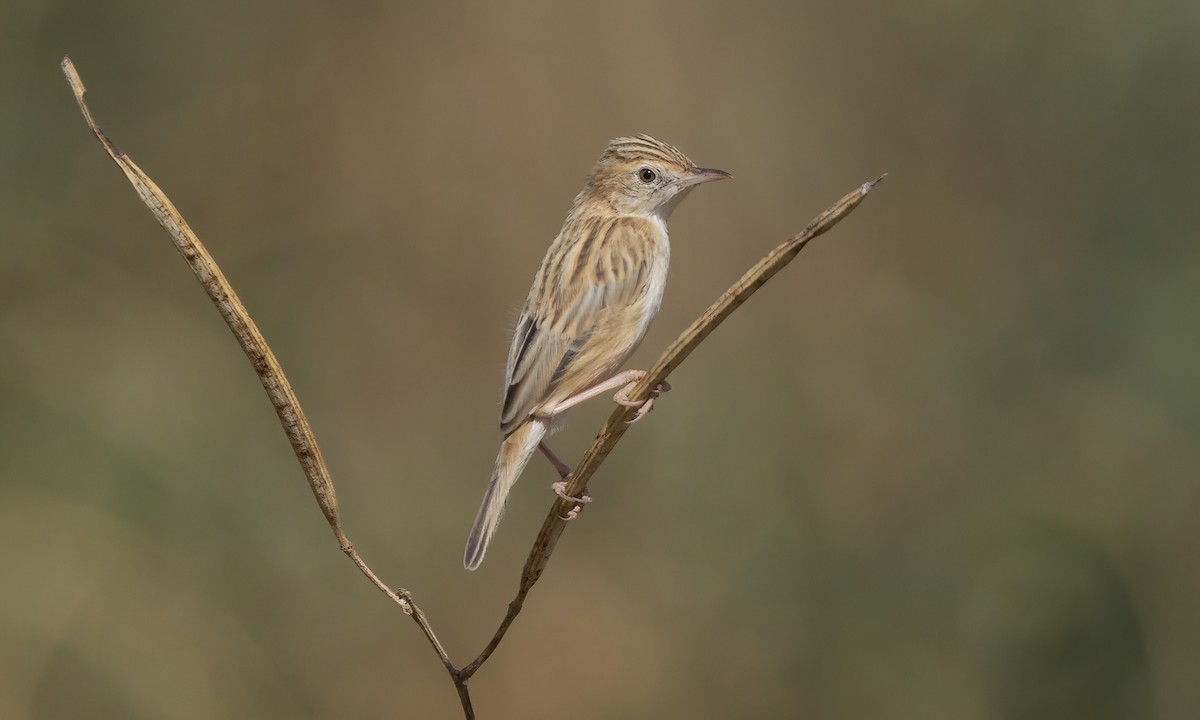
point(304, 444)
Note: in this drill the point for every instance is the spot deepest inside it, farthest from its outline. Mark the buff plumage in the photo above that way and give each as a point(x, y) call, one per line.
point(599, 286)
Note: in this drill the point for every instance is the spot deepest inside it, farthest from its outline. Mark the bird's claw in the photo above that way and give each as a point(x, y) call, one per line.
point(560, 489)
point(643, 406)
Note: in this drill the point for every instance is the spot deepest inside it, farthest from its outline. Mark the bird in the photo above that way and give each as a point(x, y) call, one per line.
point(598, 287)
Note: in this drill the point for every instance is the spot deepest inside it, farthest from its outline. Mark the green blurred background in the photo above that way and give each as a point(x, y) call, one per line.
point(945, 466)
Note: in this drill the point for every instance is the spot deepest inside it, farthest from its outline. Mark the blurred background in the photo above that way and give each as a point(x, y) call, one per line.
point(944, 466)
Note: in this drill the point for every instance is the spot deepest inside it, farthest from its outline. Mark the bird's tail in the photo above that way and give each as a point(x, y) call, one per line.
point(515, 452)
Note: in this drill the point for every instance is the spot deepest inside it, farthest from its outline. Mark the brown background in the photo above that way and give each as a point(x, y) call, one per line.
point(943, 467)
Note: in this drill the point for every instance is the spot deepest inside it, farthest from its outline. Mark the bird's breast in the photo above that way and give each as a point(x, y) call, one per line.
point(656, 283)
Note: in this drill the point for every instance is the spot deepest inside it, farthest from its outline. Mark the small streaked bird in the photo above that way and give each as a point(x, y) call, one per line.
point(592, 299)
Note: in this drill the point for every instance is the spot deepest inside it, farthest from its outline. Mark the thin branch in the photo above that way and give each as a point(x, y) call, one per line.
point(279, 390)
point(618, 422)
point(304, 444)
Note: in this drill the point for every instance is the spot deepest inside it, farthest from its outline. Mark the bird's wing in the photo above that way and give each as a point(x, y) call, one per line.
point(607, 266)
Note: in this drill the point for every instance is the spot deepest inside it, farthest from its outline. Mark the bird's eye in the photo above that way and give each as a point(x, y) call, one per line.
point(647, 175)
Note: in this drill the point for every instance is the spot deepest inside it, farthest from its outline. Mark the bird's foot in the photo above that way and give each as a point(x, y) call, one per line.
point(560, 489)
point(643, 406)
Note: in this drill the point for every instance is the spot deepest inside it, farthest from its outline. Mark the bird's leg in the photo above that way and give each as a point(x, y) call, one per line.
point(625, 381)
point(564, 470)
point(615, 381)
point(560, 487)
point(643, 406)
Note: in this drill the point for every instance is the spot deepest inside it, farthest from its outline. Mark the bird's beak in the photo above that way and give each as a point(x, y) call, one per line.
point(699, 176)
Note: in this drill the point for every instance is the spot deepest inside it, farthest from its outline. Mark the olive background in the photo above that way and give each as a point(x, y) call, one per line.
point(943, 466)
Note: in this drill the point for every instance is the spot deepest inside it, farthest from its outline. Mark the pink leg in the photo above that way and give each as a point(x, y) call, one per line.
point(564, 470)
point(625, 381)
point(613, 382)
point(560, 487)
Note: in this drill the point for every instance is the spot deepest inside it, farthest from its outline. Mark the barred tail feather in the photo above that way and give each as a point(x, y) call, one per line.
point(515, 452)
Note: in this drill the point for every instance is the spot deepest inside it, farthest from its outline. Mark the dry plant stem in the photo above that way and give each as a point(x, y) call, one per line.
point(279, 390)
point(304, 444)
point(674, 355)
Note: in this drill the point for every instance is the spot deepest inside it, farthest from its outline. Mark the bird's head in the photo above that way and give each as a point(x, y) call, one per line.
point(642, 176)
